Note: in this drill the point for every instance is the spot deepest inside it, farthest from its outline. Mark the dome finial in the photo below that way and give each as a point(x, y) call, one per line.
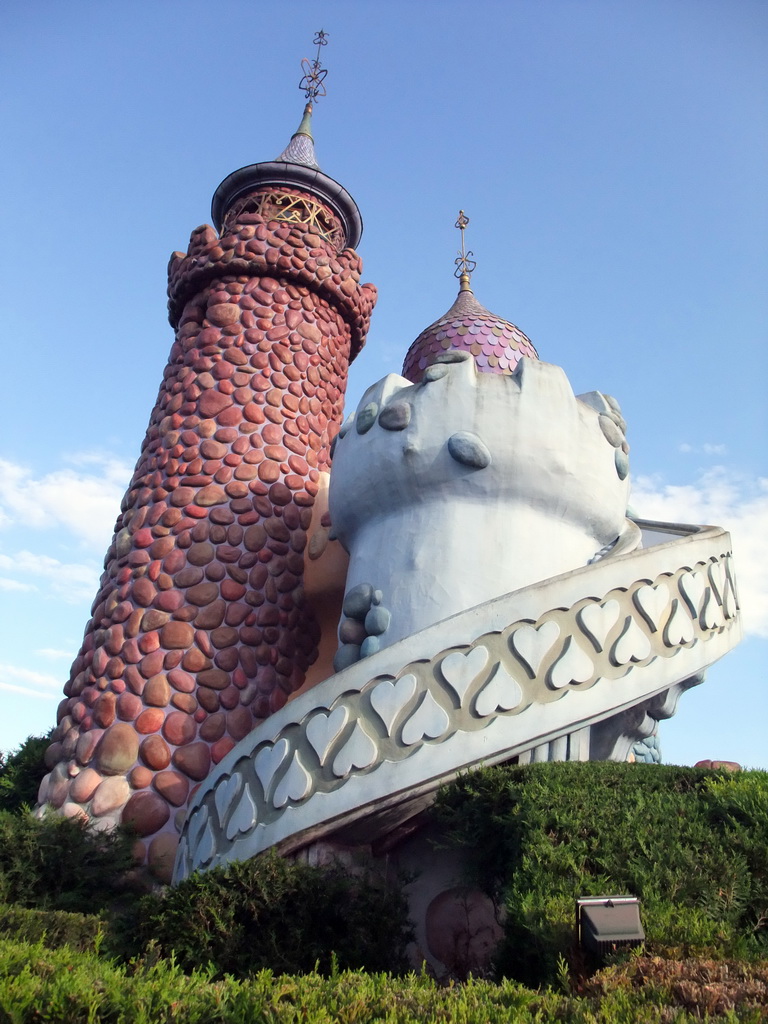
point(314, 72)
point(464, 262)
point(301, 148)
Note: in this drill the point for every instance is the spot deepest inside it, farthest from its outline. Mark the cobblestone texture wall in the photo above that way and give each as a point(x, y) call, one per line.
point(199, 629)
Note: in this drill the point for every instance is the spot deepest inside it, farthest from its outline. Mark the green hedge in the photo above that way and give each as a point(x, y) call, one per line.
point(66, 987)
point(61, 864)
point(54, 928)
point(691, 843)
point(21, 772)
point(267, 912)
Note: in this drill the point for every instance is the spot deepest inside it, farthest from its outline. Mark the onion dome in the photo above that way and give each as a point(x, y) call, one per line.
point(496, 345)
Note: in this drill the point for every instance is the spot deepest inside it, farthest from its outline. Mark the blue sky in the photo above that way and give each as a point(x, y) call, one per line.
point(611, 157)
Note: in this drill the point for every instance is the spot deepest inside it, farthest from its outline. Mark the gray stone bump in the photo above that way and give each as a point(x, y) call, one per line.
point(611, 431)
point(366, 417)
point(619, 420)
point(613, 403)
point(347, 654)
point(469, 449)
point(377, 620)
point(352, 631)
point(358, 601)
point(453, 356)
point(370, 646)
point(434, 372)
point(622, 464)
point(395, 416)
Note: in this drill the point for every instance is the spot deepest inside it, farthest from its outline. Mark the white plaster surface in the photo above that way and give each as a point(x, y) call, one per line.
point(436, 536)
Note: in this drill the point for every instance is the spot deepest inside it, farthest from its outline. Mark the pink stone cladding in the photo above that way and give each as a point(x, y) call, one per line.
point(199, 629)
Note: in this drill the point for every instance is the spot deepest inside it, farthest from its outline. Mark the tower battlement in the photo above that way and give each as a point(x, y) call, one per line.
point(253, 246)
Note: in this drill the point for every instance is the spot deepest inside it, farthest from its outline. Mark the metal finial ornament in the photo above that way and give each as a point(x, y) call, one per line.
point(314, 72)
point(464, 262)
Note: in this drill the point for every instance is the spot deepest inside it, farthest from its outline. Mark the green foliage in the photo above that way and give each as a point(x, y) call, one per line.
point(59, 863)
point(267, 912)
point(66, 987)
point(53, 928)
point(21, 773)
point(691, 843)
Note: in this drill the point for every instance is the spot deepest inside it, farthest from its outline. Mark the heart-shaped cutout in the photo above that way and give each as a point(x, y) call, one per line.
point(225, 793)
point(205, 849)
point(652, 602)
point(429, 720)
point(574, 665)
point(389, 698)
point(717, 579)
point(323, 730)
point(679, 629)
point(460, 669)
point(711, 617)
point(532, 644)
point(632, 645)
point(597, 620)
point(692, 586)
point(244, 817)
point(267, 761)
point(501, 693)
point(729, 600)
point(358, 752)
point(295, 785)
point(197, 824)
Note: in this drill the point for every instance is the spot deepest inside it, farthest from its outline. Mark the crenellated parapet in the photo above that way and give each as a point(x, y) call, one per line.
point(467, 485)
point(255, 244)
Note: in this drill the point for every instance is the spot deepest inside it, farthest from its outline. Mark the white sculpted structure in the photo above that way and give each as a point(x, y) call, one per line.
point(480, 591)
point(467, 486)
point(498, 605)
point(488, 599)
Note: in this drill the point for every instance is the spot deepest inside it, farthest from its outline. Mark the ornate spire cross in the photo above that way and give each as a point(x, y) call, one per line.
point(301, 149)
point(464, 262)
point(314, 72)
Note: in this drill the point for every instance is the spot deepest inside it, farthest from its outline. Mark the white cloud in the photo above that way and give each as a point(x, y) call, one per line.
point(28, 693)
point(720, 497)
point(7, 584)
point(703, 449)
point(72, 582)
point(85, 500)
point(14, 674)
point(53, 653)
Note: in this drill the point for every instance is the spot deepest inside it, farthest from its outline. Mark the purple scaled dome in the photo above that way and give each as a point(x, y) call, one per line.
point(496, 345)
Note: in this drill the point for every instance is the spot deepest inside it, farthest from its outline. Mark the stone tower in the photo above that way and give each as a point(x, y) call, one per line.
point(200, 629)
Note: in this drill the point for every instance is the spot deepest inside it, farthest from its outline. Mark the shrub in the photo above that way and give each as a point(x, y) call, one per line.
point(21, 773)
point(60, 863)
point(689, 842)
point(266, 912)
point(53, 928)
point(66, 987)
